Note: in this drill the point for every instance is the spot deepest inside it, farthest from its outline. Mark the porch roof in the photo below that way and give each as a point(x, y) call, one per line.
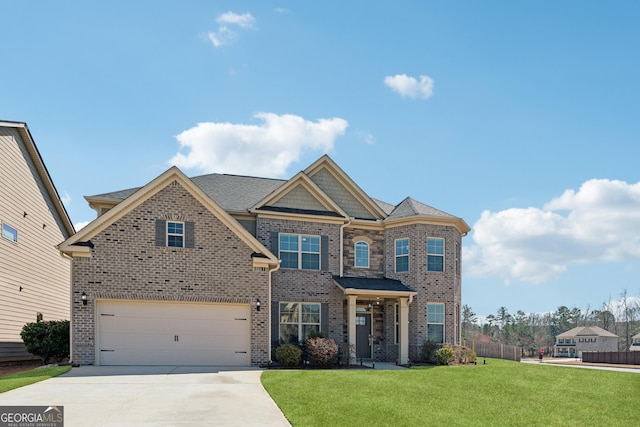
point(366, 286)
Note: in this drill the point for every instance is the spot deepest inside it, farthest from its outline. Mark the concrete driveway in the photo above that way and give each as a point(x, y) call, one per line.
point(154, 396)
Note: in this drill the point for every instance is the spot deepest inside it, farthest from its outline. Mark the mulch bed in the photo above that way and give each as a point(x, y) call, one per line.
point(17, 367)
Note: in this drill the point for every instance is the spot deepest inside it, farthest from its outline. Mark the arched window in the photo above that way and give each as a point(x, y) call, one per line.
point(362, 254)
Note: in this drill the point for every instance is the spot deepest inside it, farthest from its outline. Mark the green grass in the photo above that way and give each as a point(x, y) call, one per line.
point(9, 382)
point(500, 393)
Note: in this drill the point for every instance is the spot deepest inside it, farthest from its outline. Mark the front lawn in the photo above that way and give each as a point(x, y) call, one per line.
point(9, 382)
point(500, 393)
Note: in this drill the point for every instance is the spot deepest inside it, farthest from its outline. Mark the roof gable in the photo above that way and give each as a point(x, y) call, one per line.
point(299, 195)
point(66, 227)
point(593, 331)
point(328, 176)
point(76, 245)
point(411, 210)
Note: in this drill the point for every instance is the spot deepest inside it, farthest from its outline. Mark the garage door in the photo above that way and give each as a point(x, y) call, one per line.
point(190, 334)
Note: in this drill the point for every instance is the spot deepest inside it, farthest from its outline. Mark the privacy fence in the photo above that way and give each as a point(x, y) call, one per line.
point(612, 357)
point(493, 350)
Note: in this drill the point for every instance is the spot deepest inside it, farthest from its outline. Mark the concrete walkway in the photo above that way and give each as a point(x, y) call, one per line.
point(577, 363)
point(154, 396)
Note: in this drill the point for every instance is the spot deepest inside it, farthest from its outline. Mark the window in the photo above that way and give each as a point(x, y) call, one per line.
point(299, 251)
point(402, 255)
point(362, 254)
point(8, 232)
point(297, 320)
point(435, 322)
point(457, 258)
point(175, 234)
point(435, 254)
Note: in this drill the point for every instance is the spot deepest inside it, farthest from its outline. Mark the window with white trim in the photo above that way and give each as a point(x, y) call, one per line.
point(175, 234)
point(457, 258)
point(362, 254)
point(435, 322)
point(402, 255)
point(298, 320)
point(9, 233)
point(299, 251)
point(435, 254)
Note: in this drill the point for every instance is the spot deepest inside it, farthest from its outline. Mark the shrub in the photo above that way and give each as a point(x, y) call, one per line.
point(444, 355)
point(464, 355)
point(322, 352)
point(47, 340)
point(289, 355)
point(428, 351)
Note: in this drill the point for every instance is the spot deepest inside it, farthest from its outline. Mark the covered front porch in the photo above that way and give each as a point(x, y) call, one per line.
point(376, 314)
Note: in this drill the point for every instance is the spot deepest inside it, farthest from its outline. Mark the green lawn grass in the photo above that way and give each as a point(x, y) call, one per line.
point(500, 393)
point(9, 382)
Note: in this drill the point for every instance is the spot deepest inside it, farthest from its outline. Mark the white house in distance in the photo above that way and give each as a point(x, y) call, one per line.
point(635, 345)
point(34, 275)
point(584, 338)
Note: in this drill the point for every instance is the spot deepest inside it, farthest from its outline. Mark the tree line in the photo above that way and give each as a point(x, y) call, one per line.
point(534, 331)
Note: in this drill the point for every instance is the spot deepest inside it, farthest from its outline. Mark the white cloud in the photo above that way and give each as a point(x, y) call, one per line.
point(225, 35)
point(80, 225)
point(245, 20)
point(258, 150)
point(65, 199)
point(598, 223)
point(408, 86)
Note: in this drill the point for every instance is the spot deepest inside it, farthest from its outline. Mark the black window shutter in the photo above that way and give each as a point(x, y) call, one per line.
point(274, 244)
point(275, 327)
point(189, 238)
point(324, 319)
point(324, 253)
point(161, 232)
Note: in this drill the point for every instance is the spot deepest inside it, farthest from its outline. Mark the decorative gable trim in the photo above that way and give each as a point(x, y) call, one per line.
point(299, 180)
point(325, 162)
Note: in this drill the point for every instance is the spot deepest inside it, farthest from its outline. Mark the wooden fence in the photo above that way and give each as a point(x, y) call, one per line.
point(496, 351)
point(612, 357)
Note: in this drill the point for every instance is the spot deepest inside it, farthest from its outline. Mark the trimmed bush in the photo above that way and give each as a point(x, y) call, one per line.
point(322, 352)
point(444, 355)
point(428, 351)
point(289, 355)
point(47, 340)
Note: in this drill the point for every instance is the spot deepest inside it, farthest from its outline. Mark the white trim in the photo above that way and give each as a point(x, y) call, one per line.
point(435, 254)
point(355, 254)
point(444, 307)
point(395, 255)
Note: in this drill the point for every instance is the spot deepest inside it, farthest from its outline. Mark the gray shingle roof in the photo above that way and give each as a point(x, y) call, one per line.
point(234, 193)
point(587, 331)
point(410, 207)
point(362, 283)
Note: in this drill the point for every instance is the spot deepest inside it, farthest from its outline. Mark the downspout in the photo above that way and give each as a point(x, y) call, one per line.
point(70, 258)
point(342, 245)
point(270, 314)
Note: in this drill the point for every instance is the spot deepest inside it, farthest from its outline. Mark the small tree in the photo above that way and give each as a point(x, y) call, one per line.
point(47, 340)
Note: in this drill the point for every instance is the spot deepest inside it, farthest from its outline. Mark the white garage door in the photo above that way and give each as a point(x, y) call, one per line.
point(160, 333)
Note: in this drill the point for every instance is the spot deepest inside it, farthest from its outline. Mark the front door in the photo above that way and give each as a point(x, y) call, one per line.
point(363, 331)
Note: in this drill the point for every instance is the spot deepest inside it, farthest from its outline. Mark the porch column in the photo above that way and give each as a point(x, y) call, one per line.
point(351, 327)
point(403, 324)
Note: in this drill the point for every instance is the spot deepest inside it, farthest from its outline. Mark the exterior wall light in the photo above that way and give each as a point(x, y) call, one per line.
point(258, 304)
point(84, 298)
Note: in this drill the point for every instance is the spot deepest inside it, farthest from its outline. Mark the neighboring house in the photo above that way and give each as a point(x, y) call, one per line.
point(222, 269)
point(635, 345)
point(584, 338)
point(34, 275)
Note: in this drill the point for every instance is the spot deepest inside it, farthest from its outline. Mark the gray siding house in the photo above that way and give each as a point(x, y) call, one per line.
point(35, 277)
point(221, 269)
point(584, 338)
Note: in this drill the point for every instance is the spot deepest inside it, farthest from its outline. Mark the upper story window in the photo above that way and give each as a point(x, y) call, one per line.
point(175, 234)
point(435, 322)
point(402, 255)
point(362, 254)
point(435, 254)
point(457, 258)
point(10, 233)
point(298, 251)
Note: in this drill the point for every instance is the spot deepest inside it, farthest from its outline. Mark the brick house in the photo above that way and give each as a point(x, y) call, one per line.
point(221, 269)
point(584, 338)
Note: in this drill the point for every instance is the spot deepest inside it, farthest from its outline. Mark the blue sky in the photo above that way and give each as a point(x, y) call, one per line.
point(520, 117)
